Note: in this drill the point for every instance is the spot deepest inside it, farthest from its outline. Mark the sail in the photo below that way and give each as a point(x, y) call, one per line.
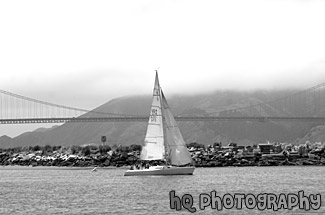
point(175, 144)
point(153, 148)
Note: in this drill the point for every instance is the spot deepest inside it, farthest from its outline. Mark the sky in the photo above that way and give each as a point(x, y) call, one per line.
point(84, 53)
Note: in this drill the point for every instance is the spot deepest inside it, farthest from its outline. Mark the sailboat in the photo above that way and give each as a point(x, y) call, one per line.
point(163, 141)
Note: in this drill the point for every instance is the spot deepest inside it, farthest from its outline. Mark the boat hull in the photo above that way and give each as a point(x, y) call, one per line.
point(161, 171)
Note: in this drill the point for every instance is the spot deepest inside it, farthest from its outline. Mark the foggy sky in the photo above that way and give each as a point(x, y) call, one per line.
point(84, 53)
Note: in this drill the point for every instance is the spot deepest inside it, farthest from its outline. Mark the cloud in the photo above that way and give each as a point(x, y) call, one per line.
point(82, 52)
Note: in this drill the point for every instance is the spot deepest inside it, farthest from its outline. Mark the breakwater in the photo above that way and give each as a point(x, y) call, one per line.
point(211, 156)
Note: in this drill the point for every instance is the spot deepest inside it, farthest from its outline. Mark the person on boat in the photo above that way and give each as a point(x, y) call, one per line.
point(142, 165)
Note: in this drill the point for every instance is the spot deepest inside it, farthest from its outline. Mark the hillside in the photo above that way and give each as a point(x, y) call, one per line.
point(316, 134)
point(127, 133)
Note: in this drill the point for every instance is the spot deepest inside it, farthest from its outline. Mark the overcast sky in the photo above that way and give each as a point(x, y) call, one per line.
point(84, 53)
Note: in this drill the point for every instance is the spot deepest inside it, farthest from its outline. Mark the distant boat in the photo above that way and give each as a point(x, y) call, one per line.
point(163, 141)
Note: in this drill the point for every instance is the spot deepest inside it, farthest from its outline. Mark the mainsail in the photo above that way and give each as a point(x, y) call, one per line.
point(154, 148)
point(163, 138)
point(177, 152)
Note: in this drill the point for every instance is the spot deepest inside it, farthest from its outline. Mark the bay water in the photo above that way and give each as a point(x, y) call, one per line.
point(28, 190)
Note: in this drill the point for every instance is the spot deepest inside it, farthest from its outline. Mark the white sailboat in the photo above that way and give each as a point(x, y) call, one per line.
point(163, 141)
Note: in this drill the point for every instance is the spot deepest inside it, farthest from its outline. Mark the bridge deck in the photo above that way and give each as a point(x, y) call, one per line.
point(145, 118)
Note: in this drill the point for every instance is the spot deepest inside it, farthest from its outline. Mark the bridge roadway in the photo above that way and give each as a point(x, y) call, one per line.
point(146, 118)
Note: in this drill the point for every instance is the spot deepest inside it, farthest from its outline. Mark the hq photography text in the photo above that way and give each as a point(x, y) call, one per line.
point(238, 201)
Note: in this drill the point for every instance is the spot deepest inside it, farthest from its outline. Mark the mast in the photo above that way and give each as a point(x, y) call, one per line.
point(166, 153)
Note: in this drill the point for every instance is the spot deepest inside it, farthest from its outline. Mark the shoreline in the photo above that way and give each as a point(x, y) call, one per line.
point(18, 167)
point(83, 158)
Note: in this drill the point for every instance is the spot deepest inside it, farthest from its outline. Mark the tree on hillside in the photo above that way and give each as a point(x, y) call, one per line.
point(195, 145)
point(47, 149)
point(56, 148)
point(86, 150)
point(123, 149)
point(103, 149)
point(135, 147)
point(75, 149)
point(36, 148)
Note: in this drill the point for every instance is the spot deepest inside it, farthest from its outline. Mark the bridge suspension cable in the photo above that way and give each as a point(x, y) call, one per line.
point(286, 103)
point(304, 105)
point(17, 106)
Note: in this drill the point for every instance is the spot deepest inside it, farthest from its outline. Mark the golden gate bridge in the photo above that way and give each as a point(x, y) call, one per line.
point(306, 105)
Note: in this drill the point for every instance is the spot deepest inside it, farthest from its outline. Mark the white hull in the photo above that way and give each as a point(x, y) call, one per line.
point(161, 170)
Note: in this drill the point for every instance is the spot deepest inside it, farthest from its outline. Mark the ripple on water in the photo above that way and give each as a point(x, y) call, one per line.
point(107, 191)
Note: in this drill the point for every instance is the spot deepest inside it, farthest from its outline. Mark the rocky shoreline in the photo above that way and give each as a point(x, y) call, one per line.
point(104, 156)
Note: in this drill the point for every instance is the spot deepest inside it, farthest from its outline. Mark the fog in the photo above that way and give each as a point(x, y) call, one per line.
point(84, 53)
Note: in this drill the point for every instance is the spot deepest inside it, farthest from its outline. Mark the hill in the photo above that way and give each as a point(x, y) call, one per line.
point(127, 133)
point(316, 134)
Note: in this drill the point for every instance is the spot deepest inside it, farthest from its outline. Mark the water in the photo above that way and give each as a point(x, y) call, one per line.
point(64, 191)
